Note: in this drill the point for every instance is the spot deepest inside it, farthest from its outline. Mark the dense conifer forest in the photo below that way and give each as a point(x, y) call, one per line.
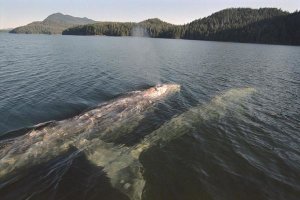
point(264, 25)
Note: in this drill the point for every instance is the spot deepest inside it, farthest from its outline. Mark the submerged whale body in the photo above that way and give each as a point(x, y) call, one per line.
point(107, 122)
point(93, 134)
point(122, 163)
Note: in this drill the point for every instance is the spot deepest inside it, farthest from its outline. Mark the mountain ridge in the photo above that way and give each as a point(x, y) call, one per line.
point(53, 24)
point(263, 25)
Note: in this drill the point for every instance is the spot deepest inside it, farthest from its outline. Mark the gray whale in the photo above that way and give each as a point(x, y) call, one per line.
point(122, 163)
point(89, 132)
point(106, 122)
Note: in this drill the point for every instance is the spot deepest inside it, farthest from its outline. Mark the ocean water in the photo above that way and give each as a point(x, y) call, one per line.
point(219, 143)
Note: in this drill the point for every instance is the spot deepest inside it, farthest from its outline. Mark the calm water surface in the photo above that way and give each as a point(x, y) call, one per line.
point(253, 152)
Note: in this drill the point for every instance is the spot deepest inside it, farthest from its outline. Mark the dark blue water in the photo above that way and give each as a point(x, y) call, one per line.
point(252, 155)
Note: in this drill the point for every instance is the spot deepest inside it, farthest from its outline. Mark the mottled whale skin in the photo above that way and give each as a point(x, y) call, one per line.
point(122, 163)
point(106, 122)
point(89, 133)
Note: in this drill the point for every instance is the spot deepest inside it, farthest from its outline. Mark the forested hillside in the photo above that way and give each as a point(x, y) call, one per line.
point(264, 25)
point(267, 25)
point(283, 29)
point(228, 19)
point(148, 28)
point(53, 24)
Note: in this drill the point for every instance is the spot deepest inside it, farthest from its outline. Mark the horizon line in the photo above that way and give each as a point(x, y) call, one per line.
point(124, 21)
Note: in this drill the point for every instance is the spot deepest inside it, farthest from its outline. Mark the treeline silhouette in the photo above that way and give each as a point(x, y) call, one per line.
point(265, 25)
point(151, 27)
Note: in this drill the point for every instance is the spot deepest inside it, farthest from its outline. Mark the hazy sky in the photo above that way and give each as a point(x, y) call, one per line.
point(20, 12)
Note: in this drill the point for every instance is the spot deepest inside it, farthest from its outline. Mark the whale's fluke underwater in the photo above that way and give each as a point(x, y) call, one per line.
point(94, 133)
point(122, 163)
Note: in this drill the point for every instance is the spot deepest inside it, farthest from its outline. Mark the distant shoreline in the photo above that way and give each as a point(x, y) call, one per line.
point(233, 42)
point(243, 25)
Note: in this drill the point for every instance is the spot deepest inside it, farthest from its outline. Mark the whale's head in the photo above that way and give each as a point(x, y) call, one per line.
point(160, 91)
